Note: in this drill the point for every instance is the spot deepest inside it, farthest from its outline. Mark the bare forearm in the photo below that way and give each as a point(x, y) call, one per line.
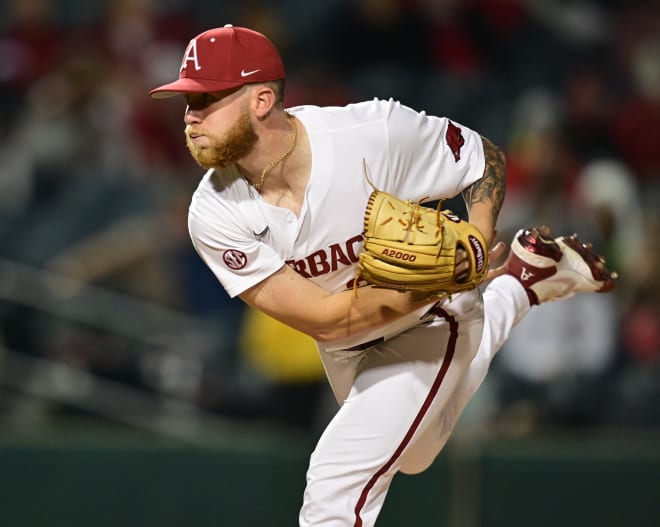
point(347, 314)
point(324, 316)
point(484, 197)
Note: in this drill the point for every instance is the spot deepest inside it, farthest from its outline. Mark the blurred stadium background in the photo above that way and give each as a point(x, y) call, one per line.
point(134, 392)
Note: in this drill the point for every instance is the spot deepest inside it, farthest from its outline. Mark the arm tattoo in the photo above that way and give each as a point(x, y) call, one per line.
point(492, 186)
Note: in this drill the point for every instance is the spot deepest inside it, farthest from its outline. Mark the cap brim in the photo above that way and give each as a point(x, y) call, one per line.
point(186, 85)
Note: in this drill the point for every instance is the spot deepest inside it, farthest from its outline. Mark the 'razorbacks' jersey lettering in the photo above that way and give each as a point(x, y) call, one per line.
point(325, 261)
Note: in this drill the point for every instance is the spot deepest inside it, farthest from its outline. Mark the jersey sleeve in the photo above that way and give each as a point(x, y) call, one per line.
point(429, 155)
point(238, 259)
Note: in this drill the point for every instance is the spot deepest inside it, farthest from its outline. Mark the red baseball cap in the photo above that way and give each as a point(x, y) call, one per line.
point(224, 58)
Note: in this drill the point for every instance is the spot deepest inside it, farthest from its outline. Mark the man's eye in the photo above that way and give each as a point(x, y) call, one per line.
point(209, 99)
point(200, 101)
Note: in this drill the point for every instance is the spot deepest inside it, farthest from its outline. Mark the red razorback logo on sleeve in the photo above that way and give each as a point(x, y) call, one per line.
point(455, 140)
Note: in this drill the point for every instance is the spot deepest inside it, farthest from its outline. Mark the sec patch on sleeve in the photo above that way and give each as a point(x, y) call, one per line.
point(234, 259)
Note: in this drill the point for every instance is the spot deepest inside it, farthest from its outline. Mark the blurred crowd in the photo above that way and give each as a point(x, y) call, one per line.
point(95, 180)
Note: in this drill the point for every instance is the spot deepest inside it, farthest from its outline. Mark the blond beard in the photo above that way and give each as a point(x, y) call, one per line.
point(237, 142)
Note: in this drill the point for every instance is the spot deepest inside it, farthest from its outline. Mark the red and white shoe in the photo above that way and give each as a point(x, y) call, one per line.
point(550, 269)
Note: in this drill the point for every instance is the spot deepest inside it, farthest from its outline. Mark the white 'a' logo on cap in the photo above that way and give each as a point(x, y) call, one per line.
point(190, 56)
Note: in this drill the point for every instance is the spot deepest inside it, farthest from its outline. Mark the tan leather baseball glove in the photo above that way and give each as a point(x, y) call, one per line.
point(412, 247)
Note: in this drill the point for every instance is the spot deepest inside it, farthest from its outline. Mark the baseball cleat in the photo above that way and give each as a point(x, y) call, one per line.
point(550, 269)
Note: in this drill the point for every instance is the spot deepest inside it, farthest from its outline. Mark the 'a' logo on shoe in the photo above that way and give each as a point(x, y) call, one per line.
point(525, 275)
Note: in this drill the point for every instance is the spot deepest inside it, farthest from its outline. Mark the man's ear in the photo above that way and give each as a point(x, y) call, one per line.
point(263, 101)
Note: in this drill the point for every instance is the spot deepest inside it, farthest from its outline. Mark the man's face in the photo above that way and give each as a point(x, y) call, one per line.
point(207, 113)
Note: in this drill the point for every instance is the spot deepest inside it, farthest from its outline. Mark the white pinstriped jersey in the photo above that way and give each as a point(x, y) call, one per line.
point(409, 154)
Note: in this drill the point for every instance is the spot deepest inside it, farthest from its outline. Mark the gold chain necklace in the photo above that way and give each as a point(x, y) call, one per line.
point(275, 162)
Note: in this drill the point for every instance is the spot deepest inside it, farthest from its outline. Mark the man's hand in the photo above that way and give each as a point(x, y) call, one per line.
point(494, 254)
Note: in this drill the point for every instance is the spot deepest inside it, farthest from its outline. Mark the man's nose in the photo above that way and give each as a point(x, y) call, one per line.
point(191, 116)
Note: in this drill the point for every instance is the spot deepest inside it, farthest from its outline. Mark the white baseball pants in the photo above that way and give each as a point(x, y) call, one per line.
point(401, 401)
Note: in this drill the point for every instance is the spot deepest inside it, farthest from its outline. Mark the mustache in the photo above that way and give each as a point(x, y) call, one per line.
point(193, 130)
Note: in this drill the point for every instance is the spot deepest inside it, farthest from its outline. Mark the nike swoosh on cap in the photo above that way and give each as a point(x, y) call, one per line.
point(248, 73)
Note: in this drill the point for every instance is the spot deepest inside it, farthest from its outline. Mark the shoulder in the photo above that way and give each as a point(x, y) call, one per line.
point(402, 122)
point(216, 204)
point(221, 186)
point(364, 112)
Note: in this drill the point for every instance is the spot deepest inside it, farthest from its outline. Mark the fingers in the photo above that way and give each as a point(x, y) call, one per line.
point(494, 272)
point(462, 266)
point(496, 251)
